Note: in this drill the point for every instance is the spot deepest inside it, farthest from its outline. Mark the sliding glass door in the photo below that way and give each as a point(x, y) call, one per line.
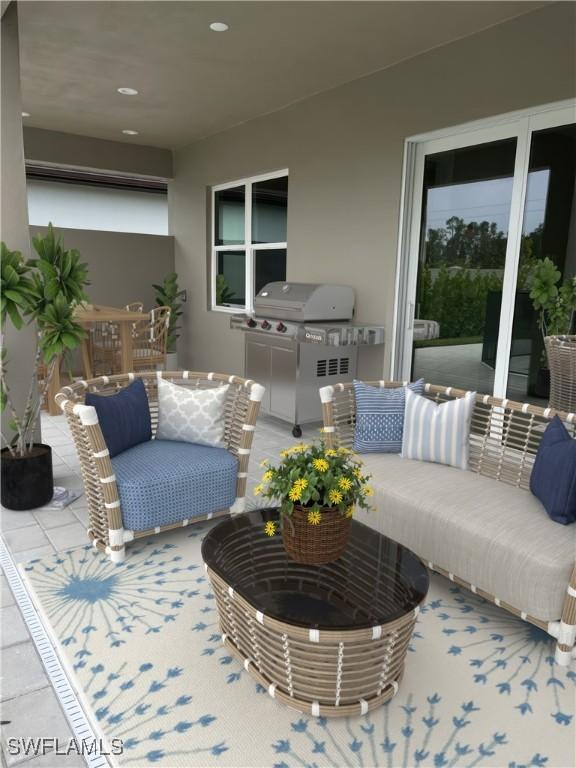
point(483, 206)
point(548, 230)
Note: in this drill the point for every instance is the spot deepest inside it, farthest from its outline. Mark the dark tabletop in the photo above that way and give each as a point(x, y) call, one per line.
point(376, 581)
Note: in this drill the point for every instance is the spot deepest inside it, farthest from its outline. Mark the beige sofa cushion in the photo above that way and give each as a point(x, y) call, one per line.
point(493, 535)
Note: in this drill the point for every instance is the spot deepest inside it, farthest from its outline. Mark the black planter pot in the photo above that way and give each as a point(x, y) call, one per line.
point(27, 481)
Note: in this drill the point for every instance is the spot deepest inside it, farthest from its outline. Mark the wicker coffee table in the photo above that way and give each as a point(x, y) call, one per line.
point(327, 640)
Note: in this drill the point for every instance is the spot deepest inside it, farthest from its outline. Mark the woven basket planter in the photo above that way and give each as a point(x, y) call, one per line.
point(316, 544)
point(561, 352)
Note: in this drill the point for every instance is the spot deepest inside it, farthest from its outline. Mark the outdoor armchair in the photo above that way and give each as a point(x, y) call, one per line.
point(170, 478)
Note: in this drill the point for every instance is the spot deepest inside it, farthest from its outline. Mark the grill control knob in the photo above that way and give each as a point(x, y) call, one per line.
point(266, 325)
point(281, 327)
point(251, 323)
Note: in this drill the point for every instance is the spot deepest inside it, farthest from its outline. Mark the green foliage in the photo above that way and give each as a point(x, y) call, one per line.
point(314, 477)
point(169, 295)
point(16, 287)
point(555, 304)
point(59, 332)
point(223, 293)
point(44, 291)
point(456, 298)
point(57, 272)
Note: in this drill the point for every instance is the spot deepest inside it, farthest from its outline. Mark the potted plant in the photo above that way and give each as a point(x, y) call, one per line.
point(556, 305)
point(318, 489)
point(169, 295)
point(43, 291)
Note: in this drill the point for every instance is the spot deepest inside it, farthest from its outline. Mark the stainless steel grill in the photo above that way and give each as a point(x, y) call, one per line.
point(301, 337)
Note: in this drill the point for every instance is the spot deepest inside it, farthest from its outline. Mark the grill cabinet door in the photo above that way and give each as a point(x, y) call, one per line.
point(283, 382)
point(258, 366)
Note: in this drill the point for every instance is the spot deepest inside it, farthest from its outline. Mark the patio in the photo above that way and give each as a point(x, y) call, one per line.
point(31, 535)
point(359, 220)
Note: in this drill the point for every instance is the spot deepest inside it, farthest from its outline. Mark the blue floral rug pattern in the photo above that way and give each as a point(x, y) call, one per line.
point(142, 641)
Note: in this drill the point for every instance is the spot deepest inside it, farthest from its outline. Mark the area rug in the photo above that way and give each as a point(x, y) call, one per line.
point(142, 645)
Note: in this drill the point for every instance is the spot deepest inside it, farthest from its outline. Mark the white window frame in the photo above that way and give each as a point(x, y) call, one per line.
point(248, 248)
point(519, 125)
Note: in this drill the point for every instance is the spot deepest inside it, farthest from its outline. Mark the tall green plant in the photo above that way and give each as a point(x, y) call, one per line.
point(169, 295)
point(44, 291)
point(555, 304)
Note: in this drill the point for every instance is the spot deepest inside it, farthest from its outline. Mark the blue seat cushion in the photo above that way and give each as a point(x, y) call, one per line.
point(553, 478)
point(164, 481)
point(124, 417)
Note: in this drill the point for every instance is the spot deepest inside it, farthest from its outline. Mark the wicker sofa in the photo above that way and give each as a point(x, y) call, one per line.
point(481, 528)
point(102, 475)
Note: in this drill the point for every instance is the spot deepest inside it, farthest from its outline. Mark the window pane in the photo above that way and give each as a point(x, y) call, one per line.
point(229, 216)
point(466, 207)
point(231, 278)
point(549, 230)
point(269, 210)
point(270, 267)
point(96, 207)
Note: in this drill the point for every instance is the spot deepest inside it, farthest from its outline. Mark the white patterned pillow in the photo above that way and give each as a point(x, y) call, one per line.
point(191, 415)
point(438, 432)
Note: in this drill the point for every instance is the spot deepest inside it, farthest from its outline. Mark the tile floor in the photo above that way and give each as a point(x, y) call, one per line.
point(29, 706)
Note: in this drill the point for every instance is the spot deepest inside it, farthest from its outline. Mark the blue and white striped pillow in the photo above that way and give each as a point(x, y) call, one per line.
point(438, 432)
point(380, 417)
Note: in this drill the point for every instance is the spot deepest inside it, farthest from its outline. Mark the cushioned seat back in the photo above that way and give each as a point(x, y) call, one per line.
point(504, 435)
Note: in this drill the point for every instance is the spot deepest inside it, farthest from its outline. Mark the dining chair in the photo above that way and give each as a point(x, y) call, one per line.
point(151, 340)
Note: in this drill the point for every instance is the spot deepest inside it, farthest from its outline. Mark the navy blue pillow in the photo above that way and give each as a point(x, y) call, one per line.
point(124, 418)
point(553, 478)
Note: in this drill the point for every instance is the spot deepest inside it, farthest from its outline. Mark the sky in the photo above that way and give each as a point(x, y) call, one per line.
point(487, 201)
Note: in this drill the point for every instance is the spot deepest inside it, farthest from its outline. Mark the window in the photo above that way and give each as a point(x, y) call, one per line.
point(91, 200)
point(249, 220)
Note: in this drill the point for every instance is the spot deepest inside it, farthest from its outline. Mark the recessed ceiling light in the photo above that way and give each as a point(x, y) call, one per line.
point(129, 132)
point(127, 91)
point(25, 114)
point(218, 26)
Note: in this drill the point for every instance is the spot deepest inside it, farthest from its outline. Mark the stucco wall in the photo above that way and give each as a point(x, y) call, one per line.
point(20, 345)
point(344, 149)
point(60, 148)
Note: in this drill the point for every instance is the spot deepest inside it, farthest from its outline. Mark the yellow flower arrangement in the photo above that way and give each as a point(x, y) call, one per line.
point(264, 463)
point(314, 477)
point(335, 496)
point(369, 491)
point(270, 528)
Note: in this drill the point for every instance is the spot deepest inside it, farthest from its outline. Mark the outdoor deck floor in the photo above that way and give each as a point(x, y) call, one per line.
point(28, 700)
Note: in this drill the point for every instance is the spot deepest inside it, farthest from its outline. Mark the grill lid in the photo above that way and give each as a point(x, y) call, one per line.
point(305, 301)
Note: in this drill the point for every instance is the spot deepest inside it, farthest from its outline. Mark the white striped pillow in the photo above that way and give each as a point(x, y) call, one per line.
point(438, 432)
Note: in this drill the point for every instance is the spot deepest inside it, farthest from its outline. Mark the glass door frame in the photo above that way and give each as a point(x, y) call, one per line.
point(518, 125)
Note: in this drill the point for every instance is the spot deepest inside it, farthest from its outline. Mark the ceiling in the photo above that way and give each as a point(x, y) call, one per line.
point(193, 82)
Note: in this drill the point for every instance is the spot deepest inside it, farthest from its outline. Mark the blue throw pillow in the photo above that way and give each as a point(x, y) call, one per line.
point(553, 478)
point(380, 417)
point(124, 418)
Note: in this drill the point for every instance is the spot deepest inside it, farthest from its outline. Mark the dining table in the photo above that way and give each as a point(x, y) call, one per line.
point(86, 315)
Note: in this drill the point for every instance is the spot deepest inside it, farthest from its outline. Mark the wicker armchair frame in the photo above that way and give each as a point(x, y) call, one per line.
point(106, 529)
point(504, 440)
